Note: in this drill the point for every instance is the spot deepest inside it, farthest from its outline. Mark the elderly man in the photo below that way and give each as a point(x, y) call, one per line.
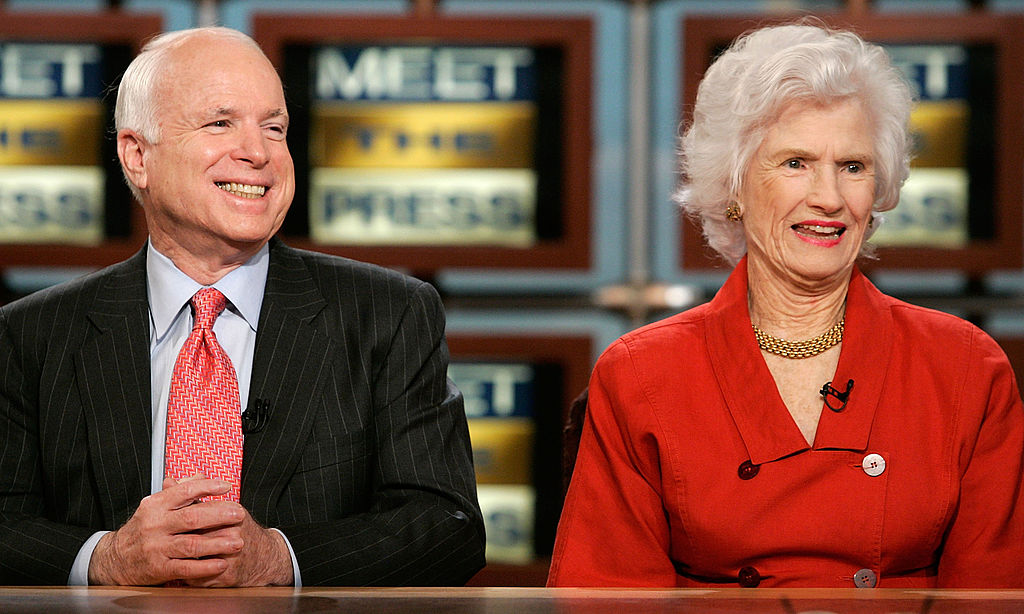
point(221, 409)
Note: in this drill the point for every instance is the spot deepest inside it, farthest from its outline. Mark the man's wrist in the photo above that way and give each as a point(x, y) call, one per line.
point(99, 564)
point(281, 574)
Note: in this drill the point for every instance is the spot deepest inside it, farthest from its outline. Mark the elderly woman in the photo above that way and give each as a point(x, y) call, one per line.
point(802, 428)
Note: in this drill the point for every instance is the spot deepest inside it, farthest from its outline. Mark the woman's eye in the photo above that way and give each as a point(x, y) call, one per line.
point(854, 167)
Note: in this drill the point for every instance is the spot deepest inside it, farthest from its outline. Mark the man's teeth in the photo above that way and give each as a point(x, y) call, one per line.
point(243, 190)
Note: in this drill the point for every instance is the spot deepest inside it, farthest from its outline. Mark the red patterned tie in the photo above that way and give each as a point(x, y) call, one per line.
point(204, 424)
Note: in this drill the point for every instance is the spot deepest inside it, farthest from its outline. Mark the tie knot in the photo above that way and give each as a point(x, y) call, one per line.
point(208, 303)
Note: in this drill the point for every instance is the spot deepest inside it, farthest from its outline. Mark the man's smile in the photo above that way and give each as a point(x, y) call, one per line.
point(241, 189)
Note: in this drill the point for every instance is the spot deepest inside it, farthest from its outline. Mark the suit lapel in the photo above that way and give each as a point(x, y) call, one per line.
point(288, 372)
point(113, 369)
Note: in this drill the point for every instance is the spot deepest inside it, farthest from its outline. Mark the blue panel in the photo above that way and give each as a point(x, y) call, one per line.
point(46, 71)
point(25, 280)
point(1008, 6)
point(1005, 324)
point(667, 68)
point(1006, 282)
point(494, 388)
point(177, 14)
point(913, 282)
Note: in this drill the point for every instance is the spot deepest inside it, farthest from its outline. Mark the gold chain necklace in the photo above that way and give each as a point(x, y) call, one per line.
point(800, 349)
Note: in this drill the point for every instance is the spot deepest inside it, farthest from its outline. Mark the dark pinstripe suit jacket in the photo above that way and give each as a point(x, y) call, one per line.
point(364, 462)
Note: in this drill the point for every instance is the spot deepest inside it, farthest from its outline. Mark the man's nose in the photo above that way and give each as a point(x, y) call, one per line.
point(252, 147)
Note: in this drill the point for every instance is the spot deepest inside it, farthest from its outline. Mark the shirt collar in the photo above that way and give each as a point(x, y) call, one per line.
point(169, 289)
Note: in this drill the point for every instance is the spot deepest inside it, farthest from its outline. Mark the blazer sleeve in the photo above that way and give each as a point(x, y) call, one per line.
point(33, 549)
point(984, 546)
point(423, 525)
point(613, 530)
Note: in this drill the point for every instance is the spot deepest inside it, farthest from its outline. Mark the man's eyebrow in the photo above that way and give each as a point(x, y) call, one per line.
point(221, 111)
point(213, 112)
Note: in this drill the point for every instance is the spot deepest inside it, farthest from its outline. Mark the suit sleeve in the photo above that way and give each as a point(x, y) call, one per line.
point(613, 530)
point(33, 549)
point(424, 525)
point(984, 546)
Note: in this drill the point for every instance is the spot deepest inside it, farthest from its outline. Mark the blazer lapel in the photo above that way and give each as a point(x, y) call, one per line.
point(747, 385)
point(113, 369)
point(288, 373)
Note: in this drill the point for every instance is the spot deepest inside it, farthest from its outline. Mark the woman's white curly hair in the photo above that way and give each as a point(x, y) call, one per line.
point(748, 85)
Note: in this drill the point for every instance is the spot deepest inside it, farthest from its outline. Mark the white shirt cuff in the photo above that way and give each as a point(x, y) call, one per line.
point(79, 575)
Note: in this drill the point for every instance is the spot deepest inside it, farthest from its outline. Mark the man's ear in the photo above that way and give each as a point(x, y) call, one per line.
point(131, 150)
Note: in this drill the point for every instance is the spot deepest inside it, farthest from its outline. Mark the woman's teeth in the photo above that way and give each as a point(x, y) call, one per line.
point(821, 231)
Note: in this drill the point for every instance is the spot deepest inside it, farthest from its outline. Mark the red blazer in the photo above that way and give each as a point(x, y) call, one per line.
point(691, 471)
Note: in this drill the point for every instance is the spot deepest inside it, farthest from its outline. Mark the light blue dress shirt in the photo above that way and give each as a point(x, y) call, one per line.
point(170, 322)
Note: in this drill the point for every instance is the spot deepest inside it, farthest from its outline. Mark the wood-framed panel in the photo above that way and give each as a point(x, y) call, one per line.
point(572, 37)
point(125, 32)
point(570, 357)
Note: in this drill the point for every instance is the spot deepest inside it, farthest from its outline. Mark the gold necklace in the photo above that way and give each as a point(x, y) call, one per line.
point(800, 349)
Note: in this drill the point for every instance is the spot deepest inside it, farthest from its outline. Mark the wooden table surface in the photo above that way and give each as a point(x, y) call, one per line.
point(473, 600)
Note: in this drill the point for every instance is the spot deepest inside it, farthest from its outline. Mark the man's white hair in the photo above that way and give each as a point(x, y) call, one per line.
point(137, 106)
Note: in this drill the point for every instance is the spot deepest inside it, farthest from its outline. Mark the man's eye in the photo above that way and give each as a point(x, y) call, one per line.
point(854, 167)
point(793, 163)
point(220, 123)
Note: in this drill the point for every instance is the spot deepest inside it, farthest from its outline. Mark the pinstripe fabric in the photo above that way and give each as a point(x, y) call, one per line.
point(364, 461)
